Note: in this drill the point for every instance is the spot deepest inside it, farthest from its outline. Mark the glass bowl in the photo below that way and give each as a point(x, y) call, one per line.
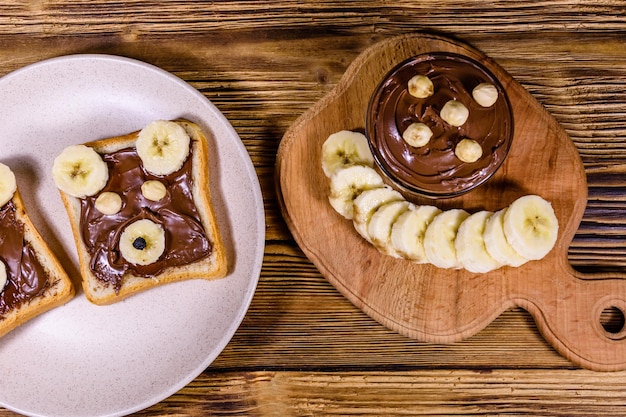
point(434, 170)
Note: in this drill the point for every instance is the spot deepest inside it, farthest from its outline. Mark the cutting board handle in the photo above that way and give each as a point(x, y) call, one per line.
point(585, 320)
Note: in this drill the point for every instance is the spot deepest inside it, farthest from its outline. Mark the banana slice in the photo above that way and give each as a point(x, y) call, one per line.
point(368, 202)
point(347, 183)
point(470, 246)
point(407, 233)
point(142, 242)
point(80, 171)
point(345, 148)
point(440, 236)
point(162, 146)
point(381, 223)
point(8, 185)
point(531, 227)
point(4, 276)
point(496, 243)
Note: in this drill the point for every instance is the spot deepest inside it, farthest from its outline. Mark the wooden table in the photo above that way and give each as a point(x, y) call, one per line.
point(303, 349)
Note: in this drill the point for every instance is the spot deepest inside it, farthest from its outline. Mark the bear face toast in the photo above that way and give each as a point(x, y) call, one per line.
point(140, 210)
point(32, 280)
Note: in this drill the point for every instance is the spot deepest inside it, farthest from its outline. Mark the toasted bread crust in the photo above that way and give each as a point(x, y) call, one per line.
point(61, 288)
point(212, 267)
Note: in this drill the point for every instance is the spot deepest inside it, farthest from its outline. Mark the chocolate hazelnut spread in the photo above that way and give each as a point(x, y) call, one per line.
point(433, 170)
point(26, 276)
point(185, 240)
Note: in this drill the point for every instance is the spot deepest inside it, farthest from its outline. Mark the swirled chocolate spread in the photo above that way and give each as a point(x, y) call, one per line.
point(185, 238)
point(26, 276)
point(433, 169)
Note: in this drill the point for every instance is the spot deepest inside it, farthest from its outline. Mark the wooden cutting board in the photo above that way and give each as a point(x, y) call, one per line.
point(437, 305)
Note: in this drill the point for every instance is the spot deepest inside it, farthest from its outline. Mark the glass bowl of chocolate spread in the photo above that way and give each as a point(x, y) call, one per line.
point(434, 170)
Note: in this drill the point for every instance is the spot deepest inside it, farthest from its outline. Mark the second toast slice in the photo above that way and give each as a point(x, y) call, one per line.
point(32, 280)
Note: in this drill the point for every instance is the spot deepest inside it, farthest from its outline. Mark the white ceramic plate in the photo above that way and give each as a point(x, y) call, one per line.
point(86, 360)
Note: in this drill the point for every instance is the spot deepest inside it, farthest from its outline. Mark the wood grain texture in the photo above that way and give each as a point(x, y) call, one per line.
point(303, 345)
point(401, 393)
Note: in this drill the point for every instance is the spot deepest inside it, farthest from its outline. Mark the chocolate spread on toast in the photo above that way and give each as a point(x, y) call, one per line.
point(27, 278)
point(185, 238)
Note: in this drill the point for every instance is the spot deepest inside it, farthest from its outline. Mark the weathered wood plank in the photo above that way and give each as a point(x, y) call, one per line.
point(300, 349)
point(376, 393)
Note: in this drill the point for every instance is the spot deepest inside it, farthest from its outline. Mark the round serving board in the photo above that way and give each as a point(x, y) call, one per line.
point(439, 305)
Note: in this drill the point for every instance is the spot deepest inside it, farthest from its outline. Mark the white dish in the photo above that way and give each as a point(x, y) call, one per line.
point(86, 360)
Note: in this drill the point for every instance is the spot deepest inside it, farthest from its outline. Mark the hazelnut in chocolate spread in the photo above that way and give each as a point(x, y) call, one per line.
point(26, 276)
point(434, 169)
point(185, 238)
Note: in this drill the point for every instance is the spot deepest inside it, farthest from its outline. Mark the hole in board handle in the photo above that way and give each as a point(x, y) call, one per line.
point(613, 320)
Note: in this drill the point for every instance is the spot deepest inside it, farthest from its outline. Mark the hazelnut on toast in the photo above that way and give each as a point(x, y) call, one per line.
point(140, 210)
point(32, 281)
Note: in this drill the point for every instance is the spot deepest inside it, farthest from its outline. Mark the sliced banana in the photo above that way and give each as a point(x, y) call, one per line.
point(80, 171)
point(345, 148)
point(407, 233)
point(347, 183)
point(163, 147)
point(4, 276)
point(531, 227)
point(440, 236)
point(142, 242)
point(108, 203)
point(8, 185)
point(481, 242)
point(368, 202)
point(496, 243)
point(470, 246)
point(381, 223)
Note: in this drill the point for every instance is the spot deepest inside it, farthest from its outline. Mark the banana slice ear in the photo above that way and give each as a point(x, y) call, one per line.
point(80, 171)
point(163, 147)
point(8, 185)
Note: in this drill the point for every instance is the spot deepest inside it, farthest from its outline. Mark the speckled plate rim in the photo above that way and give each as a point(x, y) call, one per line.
point(87, 360)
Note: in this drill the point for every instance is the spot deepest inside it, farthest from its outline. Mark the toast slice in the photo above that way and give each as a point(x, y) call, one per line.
point(42, 284)
point(101, 281)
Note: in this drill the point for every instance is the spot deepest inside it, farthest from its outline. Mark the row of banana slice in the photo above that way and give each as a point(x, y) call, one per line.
point(480, 242)
point(162, 146)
